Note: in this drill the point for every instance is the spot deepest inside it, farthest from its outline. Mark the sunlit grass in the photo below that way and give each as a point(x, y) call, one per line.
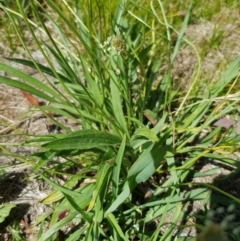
point(104, 59)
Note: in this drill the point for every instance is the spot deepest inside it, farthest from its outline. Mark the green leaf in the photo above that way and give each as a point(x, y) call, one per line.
point(114, 224)
point(56, 227)
point(5, 210)
point(148, 162)
point(25, 87)
point(1, 174)
point(182, 32)
point(119, 13)
point(93, 87)
point(35, 84)
point(75, 236)
point(43, 68)
point(63, 189)
point(176, 217)
point(231, 73)
point(146, 133)
point(57, 195)
point(45, 157)
point(120, 199)
point(101, 178)
point(84, 139)
point(117, 102)
point(83, 194)
point(141, 170)
point(117, 166)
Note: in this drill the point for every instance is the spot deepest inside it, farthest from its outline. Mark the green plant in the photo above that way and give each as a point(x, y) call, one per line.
point(5, 208)
point(15, 231)
point(130, 128)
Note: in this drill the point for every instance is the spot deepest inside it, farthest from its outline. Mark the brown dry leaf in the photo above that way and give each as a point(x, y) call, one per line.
point(32, 100)
point(224, 122)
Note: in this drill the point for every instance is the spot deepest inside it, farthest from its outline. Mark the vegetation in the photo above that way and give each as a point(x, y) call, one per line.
point(141, 138)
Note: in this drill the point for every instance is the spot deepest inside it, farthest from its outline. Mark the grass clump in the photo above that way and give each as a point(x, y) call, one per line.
point(139, 140)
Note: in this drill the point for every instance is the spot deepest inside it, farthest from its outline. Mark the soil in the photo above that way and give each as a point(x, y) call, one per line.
point(19, 186)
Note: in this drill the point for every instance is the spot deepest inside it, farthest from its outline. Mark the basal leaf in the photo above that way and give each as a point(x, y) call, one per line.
point(84, 139)
point(142, 169)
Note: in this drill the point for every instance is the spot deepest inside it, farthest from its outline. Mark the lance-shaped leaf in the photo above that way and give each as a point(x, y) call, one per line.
point(84, 139)
point(141, 170)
